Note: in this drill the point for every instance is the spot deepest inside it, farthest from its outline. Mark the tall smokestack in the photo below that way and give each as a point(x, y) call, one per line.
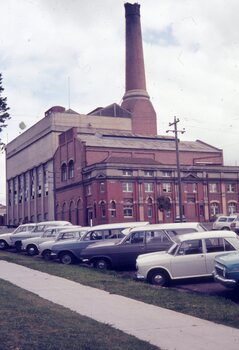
point(136, 98)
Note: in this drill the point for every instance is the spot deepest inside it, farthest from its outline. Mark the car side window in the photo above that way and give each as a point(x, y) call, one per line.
point(116, 233)
point(67, 235)
point(158, 236)
point(190, 247)
point(218, 245)
point(136, 237)
point(47, 233)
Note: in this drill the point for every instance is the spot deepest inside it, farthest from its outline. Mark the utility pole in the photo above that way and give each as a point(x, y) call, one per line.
point(176, 131)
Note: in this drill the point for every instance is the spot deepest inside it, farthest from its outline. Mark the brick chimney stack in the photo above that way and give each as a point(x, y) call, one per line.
point(136, 98)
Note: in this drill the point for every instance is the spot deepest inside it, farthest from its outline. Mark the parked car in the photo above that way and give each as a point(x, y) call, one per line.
point(67, 234)
point(226, 270)
point(140, 240)
point(223, 222)
point(191, 256)
point(234, 226)
point(31, 245)
point(70, 251)
point(5, 240)
point(16, 239)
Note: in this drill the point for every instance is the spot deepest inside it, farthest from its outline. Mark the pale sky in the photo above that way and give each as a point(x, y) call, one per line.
point(71, 53)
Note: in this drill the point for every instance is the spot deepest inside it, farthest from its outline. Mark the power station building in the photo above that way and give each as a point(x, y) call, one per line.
point(110, 165)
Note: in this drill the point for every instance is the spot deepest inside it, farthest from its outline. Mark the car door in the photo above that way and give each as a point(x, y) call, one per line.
point(215, 246)
point(189, 260)
point(157, 240)
point(125, 253)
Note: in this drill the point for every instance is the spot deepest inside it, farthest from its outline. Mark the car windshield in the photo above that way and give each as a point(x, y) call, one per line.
point(234, 241)
point(180, 231)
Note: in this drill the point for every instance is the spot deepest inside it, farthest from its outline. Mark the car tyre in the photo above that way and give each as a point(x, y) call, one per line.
point(158, 278)
point(46, 254)
point(225, 228)
point(67, 258)
point(3, 244)
point(101, 264)
point(32, 250)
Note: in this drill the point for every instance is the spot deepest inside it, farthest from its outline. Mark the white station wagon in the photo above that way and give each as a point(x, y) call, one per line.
point(192, 256)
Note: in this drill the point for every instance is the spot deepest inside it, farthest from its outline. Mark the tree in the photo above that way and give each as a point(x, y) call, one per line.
point(163, 203)
point(4, 115)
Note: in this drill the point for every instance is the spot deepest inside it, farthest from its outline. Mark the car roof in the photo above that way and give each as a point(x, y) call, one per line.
point(207, 234)
point(119, 225)
point(54, 222)
point(166, 226)
point(76, 229)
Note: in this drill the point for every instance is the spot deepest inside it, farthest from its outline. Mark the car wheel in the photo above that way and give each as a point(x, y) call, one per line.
point(32, 250)
point(3, 244)
point(101, 264)
point(46, 255)
point(225, 228)
point(158, 278)
point(67, 258)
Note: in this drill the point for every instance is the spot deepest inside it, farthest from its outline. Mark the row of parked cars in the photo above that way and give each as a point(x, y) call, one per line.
point(160, 252)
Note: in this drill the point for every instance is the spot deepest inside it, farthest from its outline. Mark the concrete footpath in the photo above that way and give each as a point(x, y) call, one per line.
point(166, 329)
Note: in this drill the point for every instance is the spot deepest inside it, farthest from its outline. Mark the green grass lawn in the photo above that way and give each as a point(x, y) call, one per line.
point(28, 322)
point(212, 308)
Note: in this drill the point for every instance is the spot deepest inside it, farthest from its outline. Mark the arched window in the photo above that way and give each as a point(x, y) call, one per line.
point(102, 209)
point(63, 213)
point(113, 209)
point(214, 208)
point(58, 212)
point(232, 208)
point(78, 210)
point(63, 172)
point(71, 169)
point(95, 210)
point(71, 210)
point(149, 208)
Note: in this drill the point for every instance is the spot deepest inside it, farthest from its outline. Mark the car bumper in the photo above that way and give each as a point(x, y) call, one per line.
point(226, 282)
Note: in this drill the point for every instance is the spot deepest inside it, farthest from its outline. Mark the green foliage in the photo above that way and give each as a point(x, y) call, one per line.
point(163, 203)
point(4, 115)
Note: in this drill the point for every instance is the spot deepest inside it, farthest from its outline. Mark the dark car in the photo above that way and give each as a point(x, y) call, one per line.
point(69, 251)
point(140, 240)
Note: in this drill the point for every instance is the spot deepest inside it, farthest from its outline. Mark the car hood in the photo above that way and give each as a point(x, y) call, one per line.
point(5, 235)
point(227, 259)
point(152, 257)
point(47, 243)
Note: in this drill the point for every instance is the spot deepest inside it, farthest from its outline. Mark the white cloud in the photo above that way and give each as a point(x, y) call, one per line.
point(191, 56)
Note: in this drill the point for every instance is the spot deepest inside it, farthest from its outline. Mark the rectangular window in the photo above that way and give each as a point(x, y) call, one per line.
point(148, 187)
point(127, 172)
point(148, 173)
point(167, 173)
point(102, 187)
point(213, 188)
point(45, 180)
point(185, 188)
point(88, 190)
point(194, 187)
point(231, 188)
point(128, 208)
point(127, 186)
point(167, 187)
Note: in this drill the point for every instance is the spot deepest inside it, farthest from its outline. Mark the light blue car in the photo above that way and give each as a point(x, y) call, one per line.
point(227, 270)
